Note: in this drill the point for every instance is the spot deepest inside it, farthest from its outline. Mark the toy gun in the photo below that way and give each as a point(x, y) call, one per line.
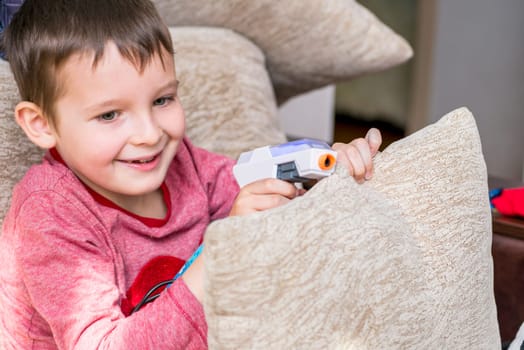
point(297, 161)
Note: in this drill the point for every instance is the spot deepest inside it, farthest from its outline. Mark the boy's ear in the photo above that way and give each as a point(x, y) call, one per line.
point(37, 128)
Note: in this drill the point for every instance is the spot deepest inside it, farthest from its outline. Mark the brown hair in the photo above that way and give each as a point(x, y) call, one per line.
point(43, 34)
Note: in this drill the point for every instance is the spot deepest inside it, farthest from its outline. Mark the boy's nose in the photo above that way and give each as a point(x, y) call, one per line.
point(146, 130)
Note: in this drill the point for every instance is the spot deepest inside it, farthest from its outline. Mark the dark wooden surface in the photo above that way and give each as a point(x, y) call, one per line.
point(504, 225)
point(507, 226)
point(508, 264)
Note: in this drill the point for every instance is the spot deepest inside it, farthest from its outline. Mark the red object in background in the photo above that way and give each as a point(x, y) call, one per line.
point(510, 201)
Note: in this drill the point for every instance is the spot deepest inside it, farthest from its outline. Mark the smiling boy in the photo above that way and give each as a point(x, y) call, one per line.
point(121, 190)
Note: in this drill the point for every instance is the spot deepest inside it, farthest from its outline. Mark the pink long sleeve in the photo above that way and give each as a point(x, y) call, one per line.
point(68, 260)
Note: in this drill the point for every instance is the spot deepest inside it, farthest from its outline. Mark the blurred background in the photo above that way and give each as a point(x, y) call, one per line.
point(466, 53)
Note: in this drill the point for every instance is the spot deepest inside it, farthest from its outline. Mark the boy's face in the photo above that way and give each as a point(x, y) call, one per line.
point(118, 128)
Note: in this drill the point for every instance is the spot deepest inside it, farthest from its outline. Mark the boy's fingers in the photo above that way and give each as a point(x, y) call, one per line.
point(343, 160)
point(268, 201)
point(360, 158)
point(374, 139)
point(273, 186)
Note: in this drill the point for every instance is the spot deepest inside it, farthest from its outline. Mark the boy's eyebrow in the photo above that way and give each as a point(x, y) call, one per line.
point(98, 106)
point(173, 84)
point(170, 85)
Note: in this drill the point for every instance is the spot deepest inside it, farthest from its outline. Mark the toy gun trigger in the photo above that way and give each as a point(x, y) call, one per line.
point(289, 172)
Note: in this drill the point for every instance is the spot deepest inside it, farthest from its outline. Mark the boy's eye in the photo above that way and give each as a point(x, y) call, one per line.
point(163, 100)
point(109, 116)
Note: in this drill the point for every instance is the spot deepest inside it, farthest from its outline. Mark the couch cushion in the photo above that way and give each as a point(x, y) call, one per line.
point(308, 43)
point(17, 153)
point(226, 91)
point(400, 262)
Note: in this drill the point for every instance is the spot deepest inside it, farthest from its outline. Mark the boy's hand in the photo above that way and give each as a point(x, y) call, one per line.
point(269, 193)
point(357, 156)
point(264, 194)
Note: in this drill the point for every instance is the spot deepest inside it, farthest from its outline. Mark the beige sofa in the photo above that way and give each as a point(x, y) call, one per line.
point(402, 262)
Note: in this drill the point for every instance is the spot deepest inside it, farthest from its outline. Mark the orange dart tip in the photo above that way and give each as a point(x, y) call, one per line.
point(326, 161)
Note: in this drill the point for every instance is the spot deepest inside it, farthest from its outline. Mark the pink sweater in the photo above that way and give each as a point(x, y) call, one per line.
point(68, 260)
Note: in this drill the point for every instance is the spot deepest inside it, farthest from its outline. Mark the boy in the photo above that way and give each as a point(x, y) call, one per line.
point(122, 197)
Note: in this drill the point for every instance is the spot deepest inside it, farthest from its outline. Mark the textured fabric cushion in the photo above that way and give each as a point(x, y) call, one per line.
point(17, 153)
point(225, 89)
point(308, 43)
point(400, 262)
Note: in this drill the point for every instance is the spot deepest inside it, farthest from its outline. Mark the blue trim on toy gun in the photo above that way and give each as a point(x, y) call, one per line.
point(297, 161)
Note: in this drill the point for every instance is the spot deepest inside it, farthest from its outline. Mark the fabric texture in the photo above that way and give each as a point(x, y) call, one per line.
point(17, 153)
point(308, 43)
point(226, 91)
point(400, 262)
point(68, 259)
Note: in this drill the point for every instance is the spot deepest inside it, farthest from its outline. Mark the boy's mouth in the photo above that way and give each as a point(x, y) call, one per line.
point(142, 161)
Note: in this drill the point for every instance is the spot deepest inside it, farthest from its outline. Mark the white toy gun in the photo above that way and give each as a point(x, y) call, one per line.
point(297, 161)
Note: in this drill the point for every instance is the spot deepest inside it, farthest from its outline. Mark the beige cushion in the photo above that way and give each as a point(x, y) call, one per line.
point(225, 89)
point(17, 153)
point(308, 43)
point(400, 262)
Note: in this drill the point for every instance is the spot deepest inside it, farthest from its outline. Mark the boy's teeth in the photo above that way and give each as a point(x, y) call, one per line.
point(142, 161)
